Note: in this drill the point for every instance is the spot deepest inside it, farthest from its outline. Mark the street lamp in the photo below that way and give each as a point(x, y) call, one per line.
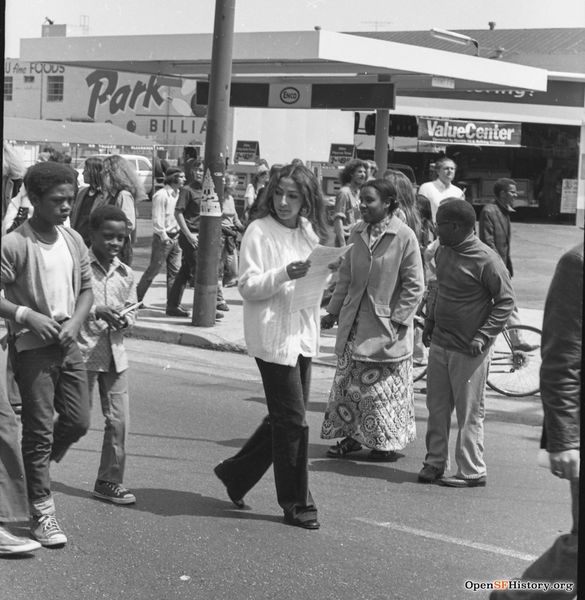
point(456, 38)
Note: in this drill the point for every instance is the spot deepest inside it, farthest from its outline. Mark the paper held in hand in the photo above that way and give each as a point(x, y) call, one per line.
point(309, 289)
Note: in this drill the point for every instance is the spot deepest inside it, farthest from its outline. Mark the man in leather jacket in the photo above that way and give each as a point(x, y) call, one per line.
point(495, 230)
point(560, 388)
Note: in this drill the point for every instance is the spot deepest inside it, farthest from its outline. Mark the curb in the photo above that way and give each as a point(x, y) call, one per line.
point(171, 335)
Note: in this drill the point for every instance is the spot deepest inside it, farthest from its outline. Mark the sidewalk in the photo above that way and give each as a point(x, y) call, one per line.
point(228, 333)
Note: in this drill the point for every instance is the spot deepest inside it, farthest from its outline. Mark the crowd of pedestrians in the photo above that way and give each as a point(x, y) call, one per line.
point(70, 293)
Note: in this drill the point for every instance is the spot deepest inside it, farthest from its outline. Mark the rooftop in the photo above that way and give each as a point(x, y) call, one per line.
point(551, 49)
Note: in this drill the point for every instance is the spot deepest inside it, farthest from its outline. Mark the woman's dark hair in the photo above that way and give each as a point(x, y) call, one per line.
point(108, 212)
point(350, 168)
point(191, 167)
point(406, 198)
point(94, 166)
point(44, 176)
point(313, 207)
point(121, 175)
point(387, 192)
point(424, 207)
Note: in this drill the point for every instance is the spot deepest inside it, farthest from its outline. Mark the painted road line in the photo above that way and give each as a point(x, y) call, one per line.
point(449, 540)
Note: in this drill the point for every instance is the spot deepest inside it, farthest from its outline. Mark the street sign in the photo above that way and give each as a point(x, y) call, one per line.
point(341, 153)
point(247, 151)
point(293, 94)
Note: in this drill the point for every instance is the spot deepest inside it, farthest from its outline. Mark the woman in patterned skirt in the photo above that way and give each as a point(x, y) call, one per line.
point(380, 287)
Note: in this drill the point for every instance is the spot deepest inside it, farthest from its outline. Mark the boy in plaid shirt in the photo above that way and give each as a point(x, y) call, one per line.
point(101, 341)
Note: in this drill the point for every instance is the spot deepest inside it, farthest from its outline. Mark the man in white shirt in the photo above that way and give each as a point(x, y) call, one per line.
point(165, 239)
point(441, 188)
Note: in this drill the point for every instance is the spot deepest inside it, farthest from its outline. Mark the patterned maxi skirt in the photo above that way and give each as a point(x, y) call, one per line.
point(371, 402)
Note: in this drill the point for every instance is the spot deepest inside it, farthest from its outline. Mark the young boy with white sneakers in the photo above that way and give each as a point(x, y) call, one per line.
point(101, 341)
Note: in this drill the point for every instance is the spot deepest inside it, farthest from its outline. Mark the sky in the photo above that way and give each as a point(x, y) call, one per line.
point(24, 18)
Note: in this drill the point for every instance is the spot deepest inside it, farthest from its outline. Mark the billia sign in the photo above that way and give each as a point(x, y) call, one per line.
point(475, 133)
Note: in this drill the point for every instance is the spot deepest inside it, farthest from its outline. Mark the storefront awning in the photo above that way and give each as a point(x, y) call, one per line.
point(273, 55)
point(70, 132)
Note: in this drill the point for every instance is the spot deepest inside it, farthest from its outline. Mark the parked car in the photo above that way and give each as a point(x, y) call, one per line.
point(406, 169)
point(141, 164)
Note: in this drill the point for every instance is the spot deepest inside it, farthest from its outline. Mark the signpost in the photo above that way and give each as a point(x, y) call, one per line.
point(204, 299)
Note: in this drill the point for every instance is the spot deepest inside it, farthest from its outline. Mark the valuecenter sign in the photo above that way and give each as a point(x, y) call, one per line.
point(474, 133)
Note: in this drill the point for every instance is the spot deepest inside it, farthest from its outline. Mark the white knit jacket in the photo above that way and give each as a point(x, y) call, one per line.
point(273, 333)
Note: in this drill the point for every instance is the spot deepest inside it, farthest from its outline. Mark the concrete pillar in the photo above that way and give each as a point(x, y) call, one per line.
point(381, 147)
point(580, 217)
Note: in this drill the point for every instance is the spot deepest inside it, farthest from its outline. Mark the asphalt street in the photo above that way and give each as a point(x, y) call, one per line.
point(383, 535)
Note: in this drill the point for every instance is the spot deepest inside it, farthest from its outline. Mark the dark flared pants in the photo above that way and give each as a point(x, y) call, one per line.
point(282, 439)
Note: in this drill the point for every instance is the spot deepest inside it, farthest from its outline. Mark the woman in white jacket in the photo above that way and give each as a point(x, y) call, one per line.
point(273, 254)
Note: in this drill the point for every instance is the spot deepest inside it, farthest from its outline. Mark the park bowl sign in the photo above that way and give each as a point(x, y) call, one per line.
point(290, 95)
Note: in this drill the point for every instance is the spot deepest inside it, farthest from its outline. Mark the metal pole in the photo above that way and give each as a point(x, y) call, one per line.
point(206, 275)
point(381, 151)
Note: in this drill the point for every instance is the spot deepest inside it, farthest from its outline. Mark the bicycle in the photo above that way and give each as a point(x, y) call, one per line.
point(514, 368)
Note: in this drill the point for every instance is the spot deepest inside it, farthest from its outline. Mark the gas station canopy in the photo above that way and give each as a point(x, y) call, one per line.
point(275, 56)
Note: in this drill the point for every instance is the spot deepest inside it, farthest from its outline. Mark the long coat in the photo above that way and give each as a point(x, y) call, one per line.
point(495, 231)
point(382, 288)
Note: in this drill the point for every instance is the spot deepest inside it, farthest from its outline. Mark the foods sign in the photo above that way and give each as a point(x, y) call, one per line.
point(470, 133)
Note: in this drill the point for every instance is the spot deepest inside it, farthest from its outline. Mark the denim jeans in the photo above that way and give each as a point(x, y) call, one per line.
point(13, 498)
point(228, 266)
point(456, 381)
point(558, 563)
point(187, 270)
point(282, 439)
point(51, 379)
point(113, 390)
point(160, 253)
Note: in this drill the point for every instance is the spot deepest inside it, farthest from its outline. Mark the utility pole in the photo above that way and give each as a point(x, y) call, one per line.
point(208, 254)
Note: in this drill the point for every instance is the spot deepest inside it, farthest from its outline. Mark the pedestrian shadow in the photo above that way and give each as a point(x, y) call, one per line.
point(311, 406)
point(258, 399)
point(235, 301)
point(172, 503)
point(352, 468)
point(523, 416)
point(18, 557)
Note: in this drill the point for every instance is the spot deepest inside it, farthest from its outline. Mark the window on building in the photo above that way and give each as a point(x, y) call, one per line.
point(29, 79)
point(55, 88)
point(7, 88)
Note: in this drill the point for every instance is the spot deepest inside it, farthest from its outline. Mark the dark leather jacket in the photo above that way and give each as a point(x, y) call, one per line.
point(560, 374)
point(495, 231)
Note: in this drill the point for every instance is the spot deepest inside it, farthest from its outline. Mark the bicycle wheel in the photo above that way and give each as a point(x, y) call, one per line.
point(515, 361)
